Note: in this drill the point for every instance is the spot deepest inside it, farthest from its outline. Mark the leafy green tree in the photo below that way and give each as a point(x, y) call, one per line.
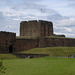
point(2, 68)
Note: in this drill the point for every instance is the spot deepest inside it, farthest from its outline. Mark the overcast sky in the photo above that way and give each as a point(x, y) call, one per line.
point(60, 12)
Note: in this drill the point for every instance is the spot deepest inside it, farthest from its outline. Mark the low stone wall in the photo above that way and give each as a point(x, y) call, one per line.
point(25, 55)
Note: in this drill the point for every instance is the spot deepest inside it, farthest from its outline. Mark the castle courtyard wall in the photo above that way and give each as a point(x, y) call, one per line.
point(26, 44)
point(10, 44)
point(56, 42)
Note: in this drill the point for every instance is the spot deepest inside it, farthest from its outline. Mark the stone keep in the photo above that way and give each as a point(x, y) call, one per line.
point(36, 28)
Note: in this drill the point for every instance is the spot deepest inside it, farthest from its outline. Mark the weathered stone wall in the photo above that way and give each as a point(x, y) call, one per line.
point(26, 55)
point(36, 28)
point(56, 42)
point(29, 43)
point(7, 41)
point(26, 44)
point(30, 28)
point(46, 28)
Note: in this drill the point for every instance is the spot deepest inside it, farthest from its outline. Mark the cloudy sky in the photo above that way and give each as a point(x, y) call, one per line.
point(60, 12)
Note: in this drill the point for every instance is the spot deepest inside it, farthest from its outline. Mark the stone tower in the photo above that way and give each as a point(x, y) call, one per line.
point(7, 41)
point(36, 28)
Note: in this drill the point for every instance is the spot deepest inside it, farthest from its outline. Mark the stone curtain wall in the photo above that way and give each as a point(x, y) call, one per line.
point(56, 42)
point(26, 44)
point(7, 39)
point(36, 28)
point(9, 43)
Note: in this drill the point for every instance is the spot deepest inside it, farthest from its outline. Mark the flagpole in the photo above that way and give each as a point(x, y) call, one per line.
point(41, 13)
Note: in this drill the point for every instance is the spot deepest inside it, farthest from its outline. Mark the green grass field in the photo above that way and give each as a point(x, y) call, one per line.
point(53, 51)
point(40, 66)
point(7, 56)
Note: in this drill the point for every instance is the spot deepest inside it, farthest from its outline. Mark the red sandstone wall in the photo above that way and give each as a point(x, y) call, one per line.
point(25, 44)
point(56, 42)
point(36, 28)
point(46, 28)
point(30, 28)
point(6, 39)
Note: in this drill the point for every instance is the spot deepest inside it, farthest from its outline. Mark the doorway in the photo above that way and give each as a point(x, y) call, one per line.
point(10, 49)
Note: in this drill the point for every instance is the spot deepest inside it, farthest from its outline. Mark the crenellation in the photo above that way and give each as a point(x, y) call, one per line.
point(32, 21)
point(6, 39)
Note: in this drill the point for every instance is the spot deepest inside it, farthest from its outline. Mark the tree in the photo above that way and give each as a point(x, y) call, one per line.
point(2, 68)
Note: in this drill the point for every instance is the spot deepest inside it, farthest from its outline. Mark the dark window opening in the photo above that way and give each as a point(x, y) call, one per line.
point(10, 49)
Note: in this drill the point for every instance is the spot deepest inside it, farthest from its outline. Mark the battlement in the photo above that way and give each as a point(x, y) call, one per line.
point(7, 32)
point(36, 28)
point(7, 35)
point(38, 21)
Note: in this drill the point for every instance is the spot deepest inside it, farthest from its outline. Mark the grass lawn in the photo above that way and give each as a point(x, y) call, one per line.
point(7, 56)
point(53, 51)
point(40, 66)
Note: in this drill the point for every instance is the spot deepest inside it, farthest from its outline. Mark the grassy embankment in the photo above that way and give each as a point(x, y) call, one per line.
point(7, 56)
point(53, 51)
point(40, 66)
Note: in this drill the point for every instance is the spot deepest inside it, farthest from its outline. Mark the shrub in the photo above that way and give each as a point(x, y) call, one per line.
point(2, 68)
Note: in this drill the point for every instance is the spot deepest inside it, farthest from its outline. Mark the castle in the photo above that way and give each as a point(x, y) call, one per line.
point(36, 28)
point(33, 34)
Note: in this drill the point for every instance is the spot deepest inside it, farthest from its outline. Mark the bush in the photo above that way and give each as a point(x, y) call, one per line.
point(2, 68)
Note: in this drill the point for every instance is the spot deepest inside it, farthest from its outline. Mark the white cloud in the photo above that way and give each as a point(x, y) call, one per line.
point(12, 12)
point(16, 19)
point(68, 29)
point(70, 35)
point(66, 22)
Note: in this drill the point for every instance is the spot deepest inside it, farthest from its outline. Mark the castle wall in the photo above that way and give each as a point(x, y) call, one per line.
point(56, 42)
point(26, 44)
point(29, 43)
point(36, 28)
point(7, 41)
point(46, 28)
point(30, 28)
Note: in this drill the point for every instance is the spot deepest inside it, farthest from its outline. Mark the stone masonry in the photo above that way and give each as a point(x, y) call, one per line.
point(36, 28)
point(9, 43)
